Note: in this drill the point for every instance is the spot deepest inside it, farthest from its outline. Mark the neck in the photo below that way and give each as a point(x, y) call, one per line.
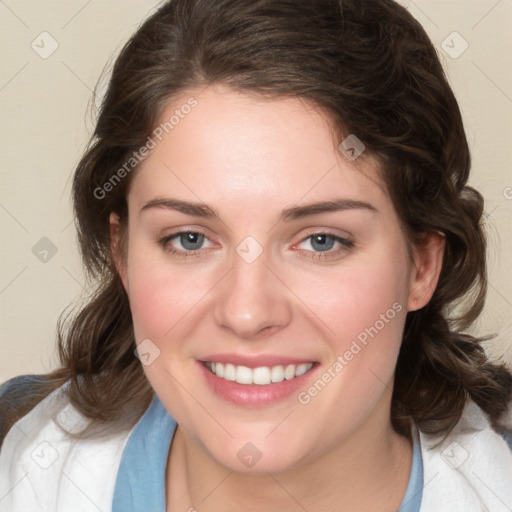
point(368, 470)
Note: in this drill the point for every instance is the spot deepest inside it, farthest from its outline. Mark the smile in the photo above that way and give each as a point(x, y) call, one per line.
point(262, 375)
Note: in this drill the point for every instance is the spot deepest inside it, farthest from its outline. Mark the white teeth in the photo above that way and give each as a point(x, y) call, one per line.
point(301, 369)
point(243, 375)
point(277, 374)
point(289, 372)
point(229, 372)
point(262, 375)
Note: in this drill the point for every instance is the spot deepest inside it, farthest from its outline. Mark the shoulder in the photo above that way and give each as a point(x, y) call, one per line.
point(471, 469)
point(17, 397)
point(505, 426)
point(45, 463)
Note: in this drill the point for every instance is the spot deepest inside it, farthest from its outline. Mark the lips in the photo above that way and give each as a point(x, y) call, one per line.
point(255, 381)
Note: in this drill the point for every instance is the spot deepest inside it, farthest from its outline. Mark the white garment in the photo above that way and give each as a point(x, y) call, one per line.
point(42, 469)
point(471, 471)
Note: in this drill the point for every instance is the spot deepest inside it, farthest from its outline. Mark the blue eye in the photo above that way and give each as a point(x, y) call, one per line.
point(191, 243)
point(322, 245)
point(322, 242)
point(190, 240)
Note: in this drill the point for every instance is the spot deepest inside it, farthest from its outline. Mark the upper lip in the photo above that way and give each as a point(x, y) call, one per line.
point(254, 361)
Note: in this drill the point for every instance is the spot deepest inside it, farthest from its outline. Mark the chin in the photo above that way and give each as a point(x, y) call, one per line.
point(254, 455)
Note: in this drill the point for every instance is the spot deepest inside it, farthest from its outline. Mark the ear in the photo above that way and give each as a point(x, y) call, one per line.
point(116, 251)
point(428, 261)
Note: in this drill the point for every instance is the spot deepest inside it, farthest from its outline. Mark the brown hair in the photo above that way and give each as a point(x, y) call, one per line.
point(370, 66)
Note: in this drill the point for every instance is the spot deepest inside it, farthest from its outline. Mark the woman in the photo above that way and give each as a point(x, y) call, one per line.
point(274, 206)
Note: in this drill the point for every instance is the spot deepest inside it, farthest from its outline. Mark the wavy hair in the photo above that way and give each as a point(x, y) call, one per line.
point(373, 70)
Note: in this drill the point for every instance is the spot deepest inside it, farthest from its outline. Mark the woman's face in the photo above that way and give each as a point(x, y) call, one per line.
point(266, 286)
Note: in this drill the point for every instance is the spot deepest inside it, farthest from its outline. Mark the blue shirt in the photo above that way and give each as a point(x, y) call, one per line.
point(140, 484)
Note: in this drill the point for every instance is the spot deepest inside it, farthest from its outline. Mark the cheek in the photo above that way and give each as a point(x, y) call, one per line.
point(362, 306)
point(360, 296)
point(154, 302)
point(163, 298)
point(160, 297)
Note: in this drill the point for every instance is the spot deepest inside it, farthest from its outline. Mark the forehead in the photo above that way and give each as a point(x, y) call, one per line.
point(232, 146)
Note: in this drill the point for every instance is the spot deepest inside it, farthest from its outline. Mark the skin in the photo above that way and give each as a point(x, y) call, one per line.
point(249, 159)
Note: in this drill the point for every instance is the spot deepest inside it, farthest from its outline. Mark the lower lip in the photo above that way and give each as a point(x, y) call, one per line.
point(254, 395)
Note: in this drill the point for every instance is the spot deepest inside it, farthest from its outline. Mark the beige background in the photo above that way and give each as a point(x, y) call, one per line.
point(47, 116)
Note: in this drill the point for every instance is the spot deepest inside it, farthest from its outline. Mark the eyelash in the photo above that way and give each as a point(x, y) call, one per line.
point(345, 243)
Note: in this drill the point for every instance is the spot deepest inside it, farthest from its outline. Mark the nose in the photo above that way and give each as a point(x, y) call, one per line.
point(252, 301)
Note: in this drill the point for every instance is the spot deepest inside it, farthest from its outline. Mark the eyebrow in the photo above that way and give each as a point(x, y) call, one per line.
point(293, 213)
